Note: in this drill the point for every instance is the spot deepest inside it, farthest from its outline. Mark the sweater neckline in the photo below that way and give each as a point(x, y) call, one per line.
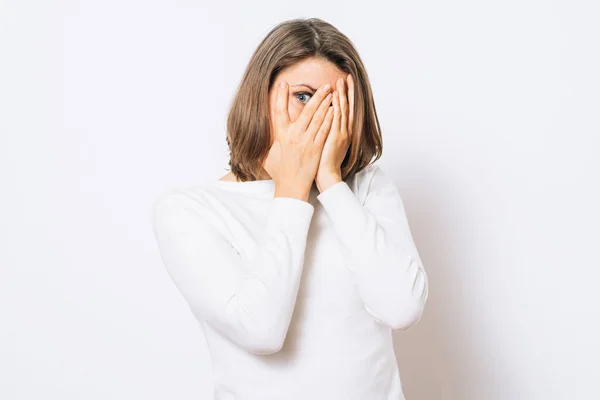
point(259, 187)
point(256, 186)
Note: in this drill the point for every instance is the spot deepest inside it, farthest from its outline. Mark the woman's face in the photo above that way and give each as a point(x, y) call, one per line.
point(304, 78)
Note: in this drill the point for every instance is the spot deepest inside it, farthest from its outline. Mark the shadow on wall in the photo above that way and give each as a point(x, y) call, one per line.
point(438, 358)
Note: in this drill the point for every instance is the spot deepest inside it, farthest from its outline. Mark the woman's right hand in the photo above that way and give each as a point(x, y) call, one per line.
point(294, 156)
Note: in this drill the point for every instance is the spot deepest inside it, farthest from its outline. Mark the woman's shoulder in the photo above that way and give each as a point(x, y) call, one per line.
point(368, 172)
point(187, 204)
point(200, 194)
point(366, 180)
point(191, 196)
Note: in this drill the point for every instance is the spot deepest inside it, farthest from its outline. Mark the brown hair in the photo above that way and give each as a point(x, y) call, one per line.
point(248, 123)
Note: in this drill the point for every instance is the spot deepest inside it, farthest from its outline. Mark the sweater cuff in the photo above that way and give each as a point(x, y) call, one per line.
point(343, 206)
point(290, 213)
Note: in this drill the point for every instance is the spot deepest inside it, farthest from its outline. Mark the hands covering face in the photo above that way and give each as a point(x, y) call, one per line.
point(313, 147)
point(340, 134)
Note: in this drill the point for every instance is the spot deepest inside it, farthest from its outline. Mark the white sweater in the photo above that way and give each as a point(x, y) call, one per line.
point(297, 300)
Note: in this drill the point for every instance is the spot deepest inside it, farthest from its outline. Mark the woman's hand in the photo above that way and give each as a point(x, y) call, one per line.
point(338, 140)
point(294, 156)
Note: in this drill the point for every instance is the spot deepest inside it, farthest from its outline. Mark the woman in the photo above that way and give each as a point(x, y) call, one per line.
point(299, 263)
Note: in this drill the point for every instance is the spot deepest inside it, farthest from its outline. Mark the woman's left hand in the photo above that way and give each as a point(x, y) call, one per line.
point(338, 141)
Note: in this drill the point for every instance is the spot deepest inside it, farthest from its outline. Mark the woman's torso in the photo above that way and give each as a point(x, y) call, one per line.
point(334, 349)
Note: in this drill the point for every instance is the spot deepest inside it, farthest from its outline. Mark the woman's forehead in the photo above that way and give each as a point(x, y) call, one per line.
point(312, 73)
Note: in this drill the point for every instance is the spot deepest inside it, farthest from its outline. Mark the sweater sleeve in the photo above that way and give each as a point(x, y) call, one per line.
point(390, 277)
point(249, 301)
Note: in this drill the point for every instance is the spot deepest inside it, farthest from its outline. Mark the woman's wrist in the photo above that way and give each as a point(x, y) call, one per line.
point(326, 181)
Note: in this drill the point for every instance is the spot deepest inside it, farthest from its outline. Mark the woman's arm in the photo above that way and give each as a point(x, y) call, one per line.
point(249, 301)
point(390, 276)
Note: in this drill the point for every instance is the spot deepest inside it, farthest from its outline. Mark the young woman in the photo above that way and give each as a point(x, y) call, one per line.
point(299, 263)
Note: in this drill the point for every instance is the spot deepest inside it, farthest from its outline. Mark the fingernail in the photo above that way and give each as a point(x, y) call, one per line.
point(327, 86)
point(282, 84)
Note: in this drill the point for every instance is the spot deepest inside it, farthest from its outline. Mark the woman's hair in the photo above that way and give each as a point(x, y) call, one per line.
point(248, 122)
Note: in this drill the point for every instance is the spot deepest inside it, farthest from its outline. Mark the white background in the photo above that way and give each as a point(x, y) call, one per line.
point(490, 114)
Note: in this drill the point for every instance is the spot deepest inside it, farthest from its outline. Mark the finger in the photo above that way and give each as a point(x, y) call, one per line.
point(325, 128)
point(337, 115)
point(282, 116)
point(317, 119)
point(309, 109)
point(343, 105)
point(351, 104)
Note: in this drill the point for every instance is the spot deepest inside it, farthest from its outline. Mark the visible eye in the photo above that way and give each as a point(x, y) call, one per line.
point(302, 95)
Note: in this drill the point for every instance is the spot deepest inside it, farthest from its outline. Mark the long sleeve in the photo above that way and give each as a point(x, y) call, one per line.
point(248, 301)
point(390, 277)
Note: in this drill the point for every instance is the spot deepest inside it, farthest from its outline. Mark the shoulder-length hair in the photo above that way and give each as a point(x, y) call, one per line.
point(248, 122)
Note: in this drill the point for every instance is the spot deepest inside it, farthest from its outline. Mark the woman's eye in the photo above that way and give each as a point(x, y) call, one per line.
point(302, 97)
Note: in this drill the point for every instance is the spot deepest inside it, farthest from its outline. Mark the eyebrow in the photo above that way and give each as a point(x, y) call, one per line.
point(308, 86)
